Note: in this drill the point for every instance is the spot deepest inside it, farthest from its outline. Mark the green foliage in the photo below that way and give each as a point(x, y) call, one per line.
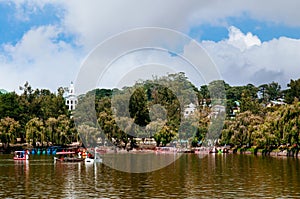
point(154, 109)
point(249, 102)
point(293, 92)
point(10, 106)
point(269, 92)
point(204, 95)
point(241, 130)
point(35, 116)
point(279, 126)
point(138, 107)
point(130, 112)
point(9, 130)
point(284, 124)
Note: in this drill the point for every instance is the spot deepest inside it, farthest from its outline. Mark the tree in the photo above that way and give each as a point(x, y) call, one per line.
point(293, 92)
point(35, 131)
point(10, 106)
point(138, 107)
point(51, 125)
point(263, 95)
point(204, 94)
point(165, 135)
point(273, 90)
point(9, 130)
point(284, 123)
point(249, 103)
point(241, 130)
point(63, 130)
point(269, 91)
point(201, 122)
point(217, 89)
point(89, 135)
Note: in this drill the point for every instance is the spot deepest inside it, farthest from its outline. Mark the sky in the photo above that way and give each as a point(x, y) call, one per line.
point(47, 42)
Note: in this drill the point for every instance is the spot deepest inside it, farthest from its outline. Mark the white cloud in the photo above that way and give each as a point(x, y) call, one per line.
point(242, 41)
point(97, 20)
point(45, 62)
point(275, 60)
point(40, 59)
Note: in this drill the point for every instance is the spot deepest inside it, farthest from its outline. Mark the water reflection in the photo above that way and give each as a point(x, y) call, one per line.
point(139, 162)
point(213, 176)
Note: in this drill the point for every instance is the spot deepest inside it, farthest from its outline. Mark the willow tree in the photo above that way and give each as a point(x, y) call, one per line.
point(9, 130)
point(51, 125)
point(241, 130)
point(285, 124)
point(63, 130)
point(89, 135)
point(35, 131)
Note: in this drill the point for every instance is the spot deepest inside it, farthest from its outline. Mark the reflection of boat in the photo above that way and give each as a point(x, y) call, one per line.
point(93, 158)
point(69, 156)
point(165, 150)
point(201, 150)
point(214, 150)
point(21, 155)
point(219, 150)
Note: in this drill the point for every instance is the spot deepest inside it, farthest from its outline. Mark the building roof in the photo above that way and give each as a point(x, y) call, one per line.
point(2, 91)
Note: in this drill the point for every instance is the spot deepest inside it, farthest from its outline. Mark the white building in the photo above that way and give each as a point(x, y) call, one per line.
point(71, 98)
point(277, 102)
point(190, 109)
point(216, 110)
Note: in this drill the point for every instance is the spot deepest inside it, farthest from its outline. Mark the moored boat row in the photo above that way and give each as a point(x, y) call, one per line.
point(45, 151)
point(70, 155)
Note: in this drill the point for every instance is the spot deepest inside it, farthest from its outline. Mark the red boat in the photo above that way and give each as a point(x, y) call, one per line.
point(21, 155)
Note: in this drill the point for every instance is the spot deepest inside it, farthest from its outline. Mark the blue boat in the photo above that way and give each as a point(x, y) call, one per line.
point(49, 151)
point(33, 151)
point(54, 151)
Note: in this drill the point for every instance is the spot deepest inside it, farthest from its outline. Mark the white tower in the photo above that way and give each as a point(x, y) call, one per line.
point(71, 98)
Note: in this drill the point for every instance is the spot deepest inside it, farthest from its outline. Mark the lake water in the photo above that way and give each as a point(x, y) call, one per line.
point(214, 176)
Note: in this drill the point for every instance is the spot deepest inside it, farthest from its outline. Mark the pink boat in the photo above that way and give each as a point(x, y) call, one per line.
point(21, 155)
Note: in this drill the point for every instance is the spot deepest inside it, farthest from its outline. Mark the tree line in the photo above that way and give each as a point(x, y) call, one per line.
point(128, 113)
point(35, 116)
point(154, 109)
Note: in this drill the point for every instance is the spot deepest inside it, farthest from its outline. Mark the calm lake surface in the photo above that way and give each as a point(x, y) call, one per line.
point(214, 176)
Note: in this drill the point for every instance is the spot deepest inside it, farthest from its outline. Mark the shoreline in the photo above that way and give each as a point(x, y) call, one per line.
point(271, 154)
point(158, 150)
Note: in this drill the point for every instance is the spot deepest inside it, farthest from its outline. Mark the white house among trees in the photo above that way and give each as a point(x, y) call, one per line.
point(190, 109)
point(71, 98)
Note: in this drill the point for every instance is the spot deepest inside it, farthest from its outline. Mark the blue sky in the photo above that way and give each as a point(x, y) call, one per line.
point(266, 31)
point(14, 25)
point(45, 42)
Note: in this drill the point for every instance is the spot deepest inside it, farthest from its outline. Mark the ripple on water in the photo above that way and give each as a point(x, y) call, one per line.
point(230, 176)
